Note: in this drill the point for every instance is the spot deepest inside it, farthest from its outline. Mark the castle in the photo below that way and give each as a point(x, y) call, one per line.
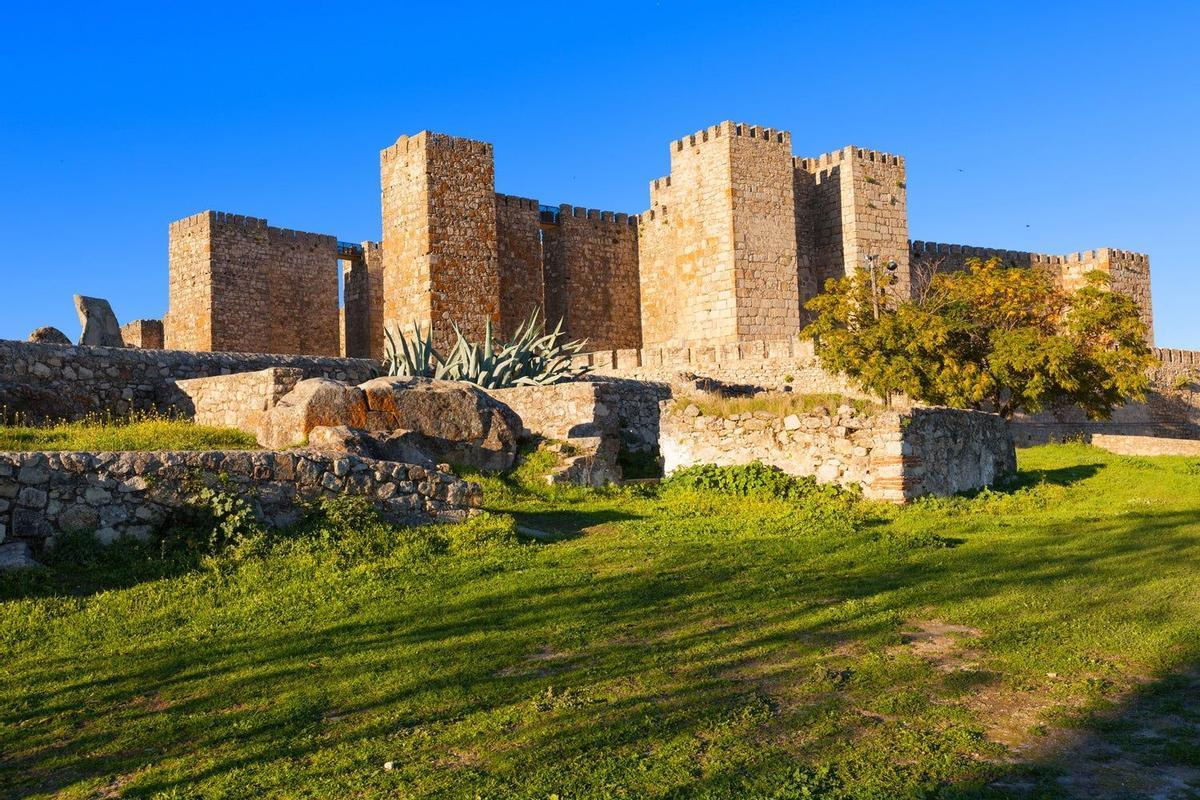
point(737, 238)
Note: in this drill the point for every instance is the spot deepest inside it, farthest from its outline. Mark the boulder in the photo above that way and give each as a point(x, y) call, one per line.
point(16, 555)
point(48, 334)
point(314, 403)
point(453, 421)
point(402, 446)
point(100, 328)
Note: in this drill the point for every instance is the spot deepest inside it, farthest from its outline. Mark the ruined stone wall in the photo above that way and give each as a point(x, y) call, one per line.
point(109, 495)
point(362, 293)
point(70, 382)
point(519, 247)
point(439, 235)
point(239, 285)
point(144, 333)
point(591, 268)
point(240, 400)
point(894, 457)
point(1129, 272)
point(858, 207)
point(302, 291)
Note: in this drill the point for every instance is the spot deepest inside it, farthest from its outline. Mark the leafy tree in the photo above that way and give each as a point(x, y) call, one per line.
point(1004, 339)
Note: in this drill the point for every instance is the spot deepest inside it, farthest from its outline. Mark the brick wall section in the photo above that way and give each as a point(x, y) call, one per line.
point(439, 235)
point(42, 380)
point(858, 207)
point(519, 248)
point(129, 494)
point(144, 333)
point(1129, 272)
point(894, 457)
point(591, 268)
point(362, 293)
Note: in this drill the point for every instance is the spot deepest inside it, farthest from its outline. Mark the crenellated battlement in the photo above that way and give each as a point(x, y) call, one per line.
point(733, 129)
point(301, 236)
point(826, 160)
point(595, 215)
point(926, 249)
point(514, 202)
point(429, 140)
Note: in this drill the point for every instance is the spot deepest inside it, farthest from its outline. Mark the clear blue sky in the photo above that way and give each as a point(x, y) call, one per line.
point(1047, 126)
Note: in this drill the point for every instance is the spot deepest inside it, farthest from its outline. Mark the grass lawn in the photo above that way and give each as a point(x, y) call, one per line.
point(109, 436)
point(675, 643)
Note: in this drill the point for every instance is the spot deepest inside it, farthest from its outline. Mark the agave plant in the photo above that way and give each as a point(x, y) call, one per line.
point(531, 358)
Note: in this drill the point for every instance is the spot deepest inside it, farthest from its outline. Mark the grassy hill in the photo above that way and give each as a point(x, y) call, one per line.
point(705, 639)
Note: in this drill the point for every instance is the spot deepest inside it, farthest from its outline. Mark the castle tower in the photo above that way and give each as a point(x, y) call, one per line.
point(440, 260)
point(718, 250)
point(362, 290)
point(239, 285)
point(853, 204)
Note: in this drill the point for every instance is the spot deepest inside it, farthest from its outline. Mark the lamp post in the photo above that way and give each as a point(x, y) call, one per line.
point(872, 260)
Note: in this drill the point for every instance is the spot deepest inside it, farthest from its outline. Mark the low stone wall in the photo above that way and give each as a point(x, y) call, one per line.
point(604, 406)
point(115, 494)
point(241, 400)
point(56, 381)
point(892, 456)
point(1146, 445)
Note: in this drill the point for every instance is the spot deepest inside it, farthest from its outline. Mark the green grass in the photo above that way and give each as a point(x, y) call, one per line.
point(673, 642)
point(111, 436)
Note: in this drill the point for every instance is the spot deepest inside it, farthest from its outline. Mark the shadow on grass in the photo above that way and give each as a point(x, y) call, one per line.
point(680, 651)
point(1059, 476)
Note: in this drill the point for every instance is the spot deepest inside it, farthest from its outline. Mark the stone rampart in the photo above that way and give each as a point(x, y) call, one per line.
point(129, 494)
point(1146, 445)
point(892, 456)
point(44, 381)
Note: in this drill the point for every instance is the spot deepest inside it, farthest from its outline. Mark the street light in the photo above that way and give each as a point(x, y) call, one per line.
point(891, 267)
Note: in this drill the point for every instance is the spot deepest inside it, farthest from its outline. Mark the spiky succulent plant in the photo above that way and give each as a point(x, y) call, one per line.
point(531, 358)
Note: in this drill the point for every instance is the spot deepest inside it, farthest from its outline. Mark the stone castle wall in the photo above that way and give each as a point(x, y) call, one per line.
point(440, 252)
point(857, 205)
point(42, 381)
point(1129, 272)
point(144, 333)
point(239, 285)
point(591, 269)
point(519, 243)
point(362, 293)
point(43, 495)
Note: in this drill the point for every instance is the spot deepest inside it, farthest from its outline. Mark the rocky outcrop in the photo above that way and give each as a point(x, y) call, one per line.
point(100, 327)
point(313, 403)
point(48, 334)
point(404, 446)
point(453, 421)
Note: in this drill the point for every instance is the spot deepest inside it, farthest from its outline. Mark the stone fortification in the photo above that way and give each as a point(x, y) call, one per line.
point(110, 495)
point(144, 333)
point(362, 293)
point(239, 285)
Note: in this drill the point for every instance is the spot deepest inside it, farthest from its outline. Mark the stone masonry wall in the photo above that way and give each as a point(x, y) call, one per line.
point(55, 381)
point(591, 263)
point(1146, 445)
point(128, 494)
point(362, 292)
point(144, 333)
point(302, 293)
point(1129, 272)
point(858, 207)
point(239, 285)
point(441, 262)
point(894, 457)
point(519, 245)
point(240, 400)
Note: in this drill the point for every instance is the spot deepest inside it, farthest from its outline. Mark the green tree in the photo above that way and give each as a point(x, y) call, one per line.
point(1004, 339)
